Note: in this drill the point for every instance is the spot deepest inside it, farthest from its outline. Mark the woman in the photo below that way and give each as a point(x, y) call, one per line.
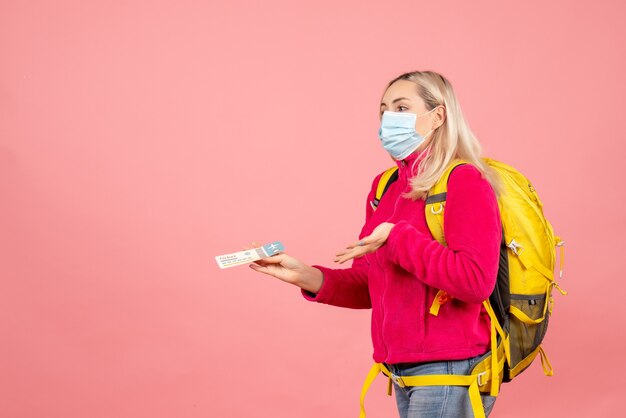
point(398, 267)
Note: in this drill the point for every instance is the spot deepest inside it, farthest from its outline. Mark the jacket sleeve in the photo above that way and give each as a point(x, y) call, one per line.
point(348, 287)
point(467, 267)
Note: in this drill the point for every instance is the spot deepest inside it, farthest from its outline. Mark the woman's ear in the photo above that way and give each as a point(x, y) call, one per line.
point(439, 117)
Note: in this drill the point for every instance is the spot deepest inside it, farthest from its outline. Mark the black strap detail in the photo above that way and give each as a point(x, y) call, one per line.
point(441, 197)
point(392, 178)
point(436, 198)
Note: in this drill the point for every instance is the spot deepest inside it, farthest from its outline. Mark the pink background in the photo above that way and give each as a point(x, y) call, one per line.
point(139, 139)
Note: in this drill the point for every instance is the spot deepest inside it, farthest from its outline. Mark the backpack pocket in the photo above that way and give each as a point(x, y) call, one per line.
point(527, 328)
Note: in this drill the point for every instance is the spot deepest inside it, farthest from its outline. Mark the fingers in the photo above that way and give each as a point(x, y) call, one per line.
point(259, 268)
point(274, 259)
point(342, 252)
point(357, 249)
point(262, 264)
point(342, 260)
point(348, 255)
point(357, 244)
point(362, 242)
point(252, 245)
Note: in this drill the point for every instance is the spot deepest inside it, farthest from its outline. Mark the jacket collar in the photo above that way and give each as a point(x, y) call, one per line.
point(409, 165)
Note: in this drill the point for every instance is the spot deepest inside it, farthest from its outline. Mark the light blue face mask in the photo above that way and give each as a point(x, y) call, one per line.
point(397, 133)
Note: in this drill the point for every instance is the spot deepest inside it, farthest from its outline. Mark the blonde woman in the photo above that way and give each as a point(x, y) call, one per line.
point(398, 267)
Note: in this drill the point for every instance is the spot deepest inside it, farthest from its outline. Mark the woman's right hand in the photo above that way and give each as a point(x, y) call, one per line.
point(288, 269)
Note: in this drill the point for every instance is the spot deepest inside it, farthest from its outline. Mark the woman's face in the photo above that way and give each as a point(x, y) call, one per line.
point(402, 96)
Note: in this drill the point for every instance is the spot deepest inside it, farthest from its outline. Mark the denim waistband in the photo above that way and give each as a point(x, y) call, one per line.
point(443, 366)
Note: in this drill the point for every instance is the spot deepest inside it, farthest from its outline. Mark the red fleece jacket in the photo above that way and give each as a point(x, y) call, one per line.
point(400, 279)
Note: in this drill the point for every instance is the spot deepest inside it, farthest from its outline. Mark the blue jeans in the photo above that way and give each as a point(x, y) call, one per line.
point(436, 401)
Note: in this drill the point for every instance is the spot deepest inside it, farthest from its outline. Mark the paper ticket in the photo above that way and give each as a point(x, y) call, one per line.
point(248, 256)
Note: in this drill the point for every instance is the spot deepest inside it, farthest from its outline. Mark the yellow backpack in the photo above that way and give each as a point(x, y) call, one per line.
point(521, 302)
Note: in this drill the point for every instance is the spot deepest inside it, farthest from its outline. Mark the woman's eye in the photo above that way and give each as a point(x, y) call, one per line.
point(399, 108)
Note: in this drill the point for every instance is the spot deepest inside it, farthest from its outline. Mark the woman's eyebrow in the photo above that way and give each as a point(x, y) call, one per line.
point(395, 100)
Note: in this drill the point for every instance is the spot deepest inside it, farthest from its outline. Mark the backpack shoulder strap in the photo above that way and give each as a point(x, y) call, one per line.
point(389, 176)
point(435, 202)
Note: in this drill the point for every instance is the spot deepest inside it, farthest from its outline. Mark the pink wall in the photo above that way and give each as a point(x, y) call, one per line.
point(138, 139)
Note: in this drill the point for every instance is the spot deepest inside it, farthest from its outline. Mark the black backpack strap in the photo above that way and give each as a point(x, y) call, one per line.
point(388, 177)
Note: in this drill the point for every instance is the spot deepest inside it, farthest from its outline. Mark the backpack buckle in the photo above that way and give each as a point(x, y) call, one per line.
point(516, 247)
point(398, 380)
point(479, 378)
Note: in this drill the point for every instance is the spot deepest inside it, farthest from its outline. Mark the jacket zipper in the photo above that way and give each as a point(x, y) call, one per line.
point(382, 309)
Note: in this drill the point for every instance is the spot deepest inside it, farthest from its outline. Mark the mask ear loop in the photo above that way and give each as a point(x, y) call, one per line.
point(419, 116)
point(427, 148)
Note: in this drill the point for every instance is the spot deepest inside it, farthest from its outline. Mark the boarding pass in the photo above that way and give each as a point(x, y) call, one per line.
point(248, 256)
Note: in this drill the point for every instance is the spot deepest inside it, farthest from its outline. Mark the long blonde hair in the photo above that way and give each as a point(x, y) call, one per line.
point(453, 139)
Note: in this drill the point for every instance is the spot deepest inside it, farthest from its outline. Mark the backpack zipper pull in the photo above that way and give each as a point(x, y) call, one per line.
point(560, 243)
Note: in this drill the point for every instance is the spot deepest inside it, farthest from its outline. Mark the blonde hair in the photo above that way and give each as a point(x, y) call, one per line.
point(453, 139)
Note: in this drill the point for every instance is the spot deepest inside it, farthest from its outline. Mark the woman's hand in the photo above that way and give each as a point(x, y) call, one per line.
point(288, 269)
point(367, 245)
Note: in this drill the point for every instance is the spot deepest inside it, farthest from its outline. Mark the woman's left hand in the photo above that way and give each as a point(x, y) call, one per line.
point(367, 245)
